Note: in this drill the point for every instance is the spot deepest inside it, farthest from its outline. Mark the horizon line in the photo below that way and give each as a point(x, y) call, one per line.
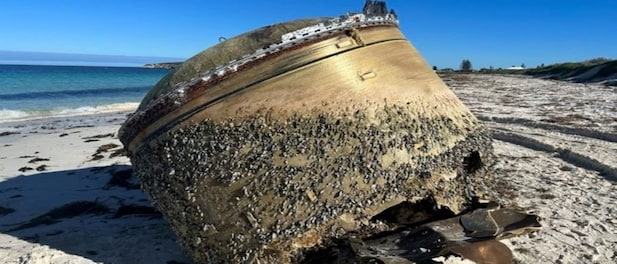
point(79, 59)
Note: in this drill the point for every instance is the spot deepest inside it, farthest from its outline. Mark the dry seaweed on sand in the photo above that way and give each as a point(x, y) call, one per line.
point(118, 153)
point(6, 210)
point(107, 147)
point(103, 149)
point(8, 133)
point(123, 179)
point(96, 157)
point(25, 168)
point(37, 159)
point(69, 210)
point(42, 168)
point(100, 136)
point(138, 210)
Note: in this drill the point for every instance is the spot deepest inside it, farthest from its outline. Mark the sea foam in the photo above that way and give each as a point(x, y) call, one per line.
point(9, 115)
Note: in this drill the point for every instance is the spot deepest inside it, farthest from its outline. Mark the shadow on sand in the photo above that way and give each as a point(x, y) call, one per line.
point(97, 213)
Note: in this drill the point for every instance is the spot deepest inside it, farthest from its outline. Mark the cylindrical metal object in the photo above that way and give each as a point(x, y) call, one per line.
point(303, 145)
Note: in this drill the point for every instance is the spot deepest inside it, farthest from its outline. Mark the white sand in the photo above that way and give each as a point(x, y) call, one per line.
point(558, 155)
point(72, 175)
point(558, 158)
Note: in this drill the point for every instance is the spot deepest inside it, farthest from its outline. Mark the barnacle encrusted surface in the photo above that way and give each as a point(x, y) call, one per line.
point(257, 187)
point(304, 144)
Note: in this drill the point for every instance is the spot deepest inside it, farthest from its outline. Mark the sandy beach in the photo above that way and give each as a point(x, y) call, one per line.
point(67, 194)
point(556, 143)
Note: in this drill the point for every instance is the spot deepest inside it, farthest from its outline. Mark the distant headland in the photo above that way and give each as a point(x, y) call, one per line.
point(163, 65)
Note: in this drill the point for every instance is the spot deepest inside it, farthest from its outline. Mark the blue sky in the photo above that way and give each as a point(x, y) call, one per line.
point(498, 33)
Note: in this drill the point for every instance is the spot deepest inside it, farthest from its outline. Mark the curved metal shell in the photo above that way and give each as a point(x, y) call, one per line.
point(305, 145)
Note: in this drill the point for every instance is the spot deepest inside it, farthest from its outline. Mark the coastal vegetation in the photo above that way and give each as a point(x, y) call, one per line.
point(466, 65)
point(595, 70)
point(598, 70)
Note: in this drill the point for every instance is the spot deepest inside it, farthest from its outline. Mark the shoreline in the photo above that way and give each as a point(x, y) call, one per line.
point(65, 113)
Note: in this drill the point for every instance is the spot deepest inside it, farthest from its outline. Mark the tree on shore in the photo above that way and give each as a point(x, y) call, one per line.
point(466, 65)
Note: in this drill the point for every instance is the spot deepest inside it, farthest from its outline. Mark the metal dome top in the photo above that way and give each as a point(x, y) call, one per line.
point(224, 52)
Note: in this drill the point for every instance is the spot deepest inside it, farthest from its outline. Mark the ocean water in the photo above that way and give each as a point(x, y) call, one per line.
point(28, 91)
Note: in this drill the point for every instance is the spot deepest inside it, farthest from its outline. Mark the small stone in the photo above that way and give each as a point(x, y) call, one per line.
point(311, 195)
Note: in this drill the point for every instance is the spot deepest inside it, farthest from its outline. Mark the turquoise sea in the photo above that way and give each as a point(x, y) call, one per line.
point(29, 91)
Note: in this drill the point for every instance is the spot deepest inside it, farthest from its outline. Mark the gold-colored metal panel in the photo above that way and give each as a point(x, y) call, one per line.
point(387, 68)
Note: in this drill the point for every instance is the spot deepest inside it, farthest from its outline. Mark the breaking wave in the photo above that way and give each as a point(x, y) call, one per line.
point(8, 115)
